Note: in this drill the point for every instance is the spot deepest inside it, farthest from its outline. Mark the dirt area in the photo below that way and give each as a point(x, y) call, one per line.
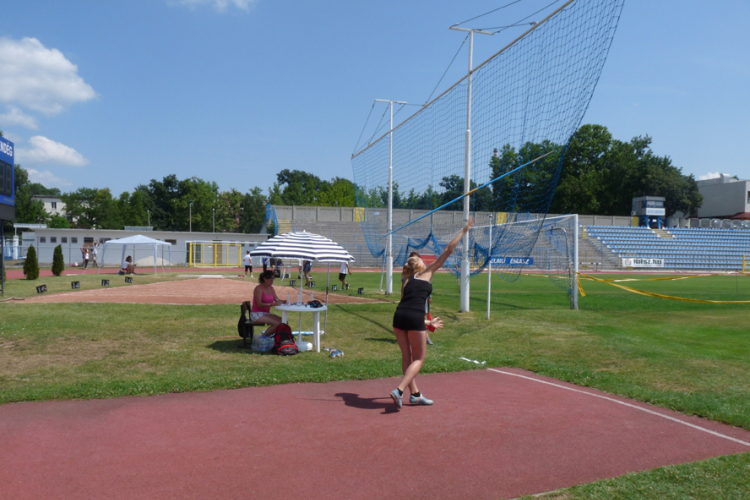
point(198, 291)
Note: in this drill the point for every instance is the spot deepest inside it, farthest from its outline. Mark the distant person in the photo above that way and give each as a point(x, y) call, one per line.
point(95, 253)
point(83, 253)
point(85, 258)
point(306, 268)
point(342, 274)
point(127, 267)
point(265, 264)
point(248, 262)
point(409, 320)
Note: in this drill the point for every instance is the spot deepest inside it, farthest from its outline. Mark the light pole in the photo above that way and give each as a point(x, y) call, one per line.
point(191, 216)
point(465, 271)
point(389, 249)
point(149, 217)
point(213, 220)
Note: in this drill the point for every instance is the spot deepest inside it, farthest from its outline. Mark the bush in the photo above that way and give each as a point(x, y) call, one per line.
point(58, 261)
point(31, 264)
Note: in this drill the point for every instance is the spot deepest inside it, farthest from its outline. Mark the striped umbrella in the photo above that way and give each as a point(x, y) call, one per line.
point(307, 246)
point(304, 245)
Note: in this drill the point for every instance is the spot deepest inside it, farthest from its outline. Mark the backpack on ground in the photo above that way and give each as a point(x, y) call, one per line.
point(243, 328)
point(284, 343)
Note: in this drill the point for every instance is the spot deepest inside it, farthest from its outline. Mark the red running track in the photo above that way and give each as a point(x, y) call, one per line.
point(491, 434)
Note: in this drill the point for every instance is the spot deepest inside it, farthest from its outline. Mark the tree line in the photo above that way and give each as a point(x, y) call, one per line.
point(599, 176)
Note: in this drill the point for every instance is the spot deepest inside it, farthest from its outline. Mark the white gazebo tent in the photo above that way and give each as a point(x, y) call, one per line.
point(140, 241)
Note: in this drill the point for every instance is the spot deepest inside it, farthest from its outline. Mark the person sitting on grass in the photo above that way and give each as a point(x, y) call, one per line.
point(127, 267)
point(264, 298)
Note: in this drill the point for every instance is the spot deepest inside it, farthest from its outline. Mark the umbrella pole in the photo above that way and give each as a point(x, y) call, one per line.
point(328, 283)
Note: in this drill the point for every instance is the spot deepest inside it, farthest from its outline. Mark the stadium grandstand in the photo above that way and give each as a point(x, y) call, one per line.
point(605, 243)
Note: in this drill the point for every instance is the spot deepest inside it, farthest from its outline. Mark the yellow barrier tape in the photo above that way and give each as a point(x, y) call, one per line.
point(580, 288)
point(661, 296)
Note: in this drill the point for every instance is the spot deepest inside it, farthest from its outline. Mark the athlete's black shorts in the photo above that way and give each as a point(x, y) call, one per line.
point(248, 268)
point(409, 319)
point(342, 277)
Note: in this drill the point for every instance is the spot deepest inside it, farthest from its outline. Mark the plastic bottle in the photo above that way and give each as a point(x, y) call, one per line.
point(288, 299)
point(311, 296)
point(299, 299)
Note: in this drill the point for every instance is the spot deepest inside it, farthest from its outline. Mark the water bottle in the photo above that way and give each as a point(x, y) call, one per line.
point(334, 353)
point(311, 296)
point(288, 299)
point(299, 299)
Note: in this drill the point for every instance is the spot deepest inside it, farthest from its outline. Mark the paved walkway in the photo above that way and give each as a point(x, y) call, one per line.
point(491, 434)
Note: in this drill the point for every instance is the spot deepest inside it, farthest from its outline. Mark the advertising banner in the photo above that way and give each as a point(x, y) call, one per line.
point(512, 261)
point(639, 262)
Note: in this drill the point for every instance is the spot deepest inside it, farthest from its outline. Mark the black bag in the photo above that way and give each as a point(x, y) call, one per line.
point(284, 343)
point(243, 328)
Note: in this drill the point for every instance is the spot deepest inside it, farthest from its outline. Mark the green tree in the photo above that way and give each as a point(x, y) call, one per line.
point(58, 222)
point(58, 261)
point(92, 208)
point(253, 211)
point(31, 264)
point(29, 210)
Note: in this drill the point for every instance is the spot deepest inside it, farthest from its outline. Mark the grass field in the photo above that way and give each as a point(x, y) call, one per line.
point(690, 357)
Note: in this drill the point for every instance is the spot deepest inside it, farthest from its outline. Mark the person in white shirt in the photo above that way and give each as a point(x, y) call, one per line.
point(342, 274)
point(94, 253)
point(248, 262)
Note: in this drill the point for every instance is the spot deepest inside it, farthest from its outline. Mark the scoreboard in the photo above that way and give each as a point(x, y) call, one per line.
point(7, 181)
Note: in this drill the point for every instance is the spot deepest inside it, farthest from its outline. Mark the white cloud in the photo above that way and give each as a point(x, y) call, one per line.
point(47, 151)
point(220, 5)
point(711, 175)
point(47, 178)
point(39, 78)
point(15, 116)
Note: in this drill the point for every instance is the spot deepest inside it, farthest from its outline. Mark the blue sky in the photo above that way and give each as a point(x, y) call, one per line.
point(114, 94)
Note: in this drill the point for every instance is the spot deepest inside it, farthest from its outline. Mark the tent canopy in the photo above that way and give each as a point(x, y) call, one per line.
point(138, 240)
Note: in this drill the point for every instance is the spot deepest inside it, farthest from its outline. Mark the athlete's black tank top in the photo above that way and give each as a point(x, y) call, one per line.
point(416, 293)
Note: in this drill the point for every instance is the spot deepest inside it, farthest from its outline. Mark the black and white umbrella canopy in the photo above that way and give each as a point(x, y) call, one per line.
point(304, 245)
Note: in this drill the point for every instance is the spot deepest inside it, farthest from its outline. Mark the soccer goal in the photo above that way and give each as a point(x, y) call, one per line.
point(214, 254)
point(554, 252)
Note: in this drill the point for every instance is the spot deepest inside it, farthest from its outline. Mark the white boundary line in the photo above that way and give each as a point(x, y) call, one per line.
point(625, 404)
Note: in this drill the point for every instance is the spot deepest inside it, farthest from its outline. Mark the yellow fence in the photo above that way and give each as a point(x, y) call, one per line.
point(214, 254)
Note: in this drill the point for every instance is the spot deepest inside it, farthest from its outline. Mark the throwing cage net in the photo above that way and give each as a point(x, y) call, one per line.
point(526, 102)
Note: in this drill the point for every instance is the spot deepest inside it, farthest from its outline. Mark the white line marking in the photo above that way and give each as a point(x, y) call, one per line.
point(625, 404)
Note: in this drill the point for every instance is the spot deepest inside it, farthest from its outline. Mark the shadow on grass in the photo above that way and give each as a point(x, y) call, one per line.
point(390, 341)
point(381, 325)
point(231, 346)
point(355, 401)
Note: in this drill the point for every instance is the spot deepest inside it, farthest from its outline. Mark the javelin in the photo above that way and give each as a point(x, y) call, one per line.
point(470, 192)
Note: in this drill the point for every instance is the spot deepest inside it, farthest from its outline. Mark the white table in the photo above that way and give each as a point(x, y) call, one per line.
point(304, 309)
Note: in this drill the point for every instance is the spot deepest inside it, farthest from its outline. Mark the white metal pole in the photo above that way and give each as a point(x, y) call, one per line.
point(389, 243)
point(489, 273)
point(465, 271)
point(389, 252)
point(574, 304)
point(191, 217)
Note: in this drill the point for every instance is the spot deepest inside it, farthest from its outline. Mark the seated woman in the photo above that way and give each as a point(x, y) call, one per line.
point(127, 267)
point(264, 298)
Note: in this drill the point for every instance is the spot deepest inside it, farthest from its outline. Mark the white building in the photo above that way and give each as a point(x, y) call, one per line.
point(53, 205)
point(725, 197)
point(45, 241)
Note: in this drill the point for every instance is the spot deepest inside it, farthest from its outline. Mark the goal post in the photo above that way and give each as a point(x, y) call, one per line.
point(554, 253)
point(224, 254)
